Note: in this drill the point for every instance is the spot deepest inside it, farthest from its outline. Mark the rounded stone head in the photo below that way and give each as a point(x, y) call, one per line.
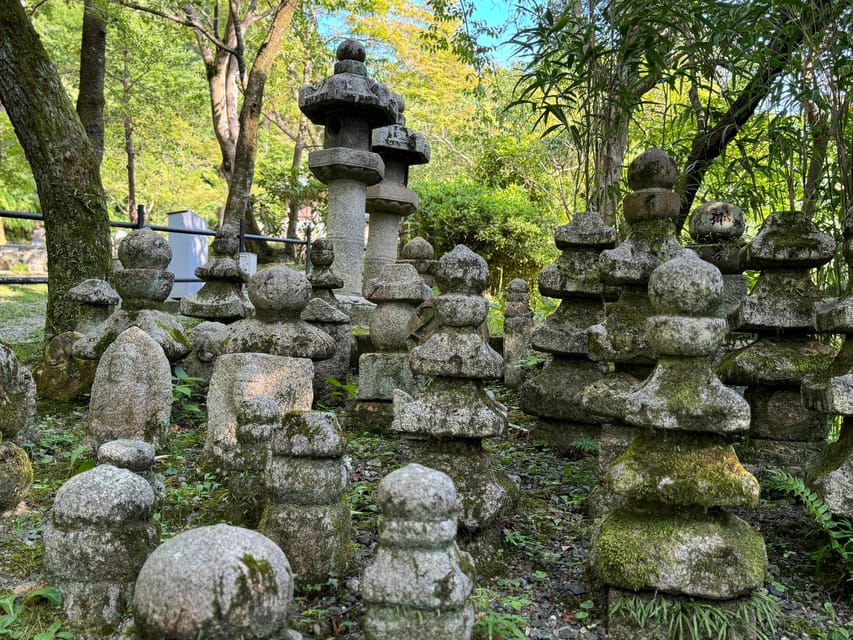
point(652, 169)
point(686, 285)
point(322, 253)
point(418, 493)
point(462, 271)
point(279, 290)
point(417, 249)
point(715, 221)
point(227, 241)
point(144, 249)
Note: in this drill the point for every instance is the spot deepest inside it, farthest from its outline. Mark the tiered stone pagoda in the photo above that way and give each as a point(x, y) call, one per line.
point(553, 393)
point(221, 296)
point(831, 392)
point(143, 285)
point(391, 199)
point(649, 211)
point(454, 413)
point(673, 537)
point(780, 309)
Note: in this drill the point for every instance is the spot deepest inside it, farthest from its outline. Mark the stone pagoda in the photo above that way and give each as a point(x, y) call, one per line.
point(143, 284)
point(391, 199)
point(454, 413)
point(673, 538)
point(349, 104)
point(831, 392)
point(553, 393)
point(780, 309)
point(649, 240)
point(220, 298)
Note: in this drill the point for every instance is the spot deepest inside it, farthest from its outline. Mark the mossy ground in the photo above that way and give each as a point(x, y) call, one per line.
point(545, 592)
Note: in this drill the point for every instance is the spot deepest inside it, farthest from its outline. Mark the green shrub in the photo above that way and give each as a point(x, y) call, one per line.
point(502, 224)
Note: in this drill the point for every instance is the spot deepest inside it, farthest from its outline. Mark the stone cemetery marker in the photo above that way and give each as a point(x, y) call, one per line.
point(99, 535)
point(419, 583)
point(219, 582)
point(132, 392)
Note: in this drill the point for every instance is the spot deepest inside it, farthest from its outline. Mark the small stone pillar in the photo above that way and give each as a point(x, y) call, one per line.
point(553, 393)
point(323, 280)
point(257, 419)
point(100, 533)
point(831, 392)
point(673, 538)
point(349, 104)
point(136, 456)
point(199, 362)
point(518, 324)
point(397, 292)
point(454, 413)
point(97, 300)
point(335, 323)
point(221, 297)
point(419, 583)
point(61, 375)
point(420, 254)
point(390, 200)
point(17, 416)
point(780, 309)
point(143, 285)
point(132, 392)
point(306, 477)
point(649, 210)
point(218, 582)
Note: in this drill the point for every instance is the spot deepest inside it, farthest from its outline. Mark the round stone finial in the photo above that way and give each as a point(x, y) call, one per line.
point(214, 582)
point(227, 241)
point(517, 286)
point(134, 455)
point(462, 271)
point(652, 169)
point(351, 49)
point(105, 495)
point(417, 249)
point(415, 492)
point(279, 289)
point(686, 285)
point(144, 249)
point(322, 252)
point(714, 221)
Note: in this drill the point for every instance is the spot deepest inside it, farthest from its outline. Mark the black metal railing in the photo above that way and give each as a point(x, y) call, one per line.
point(140, 223)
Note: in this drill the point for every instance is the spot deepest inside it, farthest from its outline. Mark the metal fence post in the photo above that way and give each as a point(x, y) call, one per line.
point(140, 216)
point(308, 249)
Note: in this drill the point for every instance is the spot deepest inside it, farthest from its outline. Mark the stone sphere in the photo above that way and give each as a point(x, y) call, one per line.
point(16, 475)
point(279, 289)
point(415, 492)
point(322, 252)
point(144, 249)
point(135, 455)
point(351, 49)
point(227, 240)
point(106, 496)
point(686, 285)
point(652, 169)
point(462, 271)
point(714, 221)
point(417, 249)
point(218, 582)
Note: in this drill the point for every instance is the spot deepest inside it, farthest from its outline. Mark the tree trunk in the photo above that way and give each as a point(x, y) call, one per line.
point(708, 145)
point(90, 100)
point(63, 162)
point(128, 139)
point(240, 185)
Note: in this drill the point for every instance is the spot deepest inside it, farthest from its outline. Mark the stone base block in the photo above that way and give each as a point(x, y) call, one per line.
point(779, 414)
point(374, 416)
point(316, 539)
point(379, 374)
point(555, 391)
point(394, 623)
point(96, 603)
